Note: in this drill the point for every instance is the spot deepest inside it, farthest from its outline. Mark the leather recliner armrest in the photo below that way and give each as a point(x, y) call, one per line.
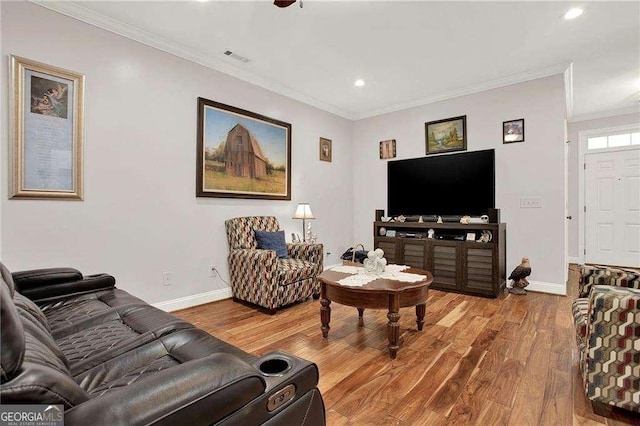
point(198, 392)
point(51, 283)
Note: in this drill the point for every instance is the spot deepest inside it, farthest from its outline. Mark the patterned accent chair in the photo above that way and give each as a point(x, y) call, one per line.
point(259, 277)
point(607, 321)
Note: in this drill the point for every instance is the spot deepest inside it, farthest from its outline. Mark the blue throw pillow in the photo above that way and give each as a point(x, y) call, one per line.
point(272, 241)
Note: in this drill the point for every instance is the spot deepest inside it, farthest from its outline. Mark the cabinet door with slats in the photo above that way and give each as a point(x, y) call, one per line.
point(445, 257)
point(479, 271)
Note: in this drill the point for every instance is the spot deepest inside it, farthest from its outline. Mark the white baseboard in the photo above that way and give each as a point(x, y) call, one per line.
point(544, 287)
point(194, 300)
point(573, 260)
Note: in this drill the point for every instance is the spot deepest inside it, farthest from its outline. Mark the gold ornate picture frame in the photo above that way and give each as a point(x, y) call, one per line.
point(47, 106)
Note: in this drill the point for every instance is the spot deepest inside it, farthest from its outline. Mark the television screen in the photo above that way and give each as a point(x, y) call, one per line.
point(454, 184)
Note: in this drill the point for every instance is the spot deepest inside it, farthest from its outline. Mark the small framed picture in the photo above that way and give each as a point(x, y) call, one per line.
point(388, 149)
point(391, 233)
point(471, 236)
point(325, 149)
point(513, 131)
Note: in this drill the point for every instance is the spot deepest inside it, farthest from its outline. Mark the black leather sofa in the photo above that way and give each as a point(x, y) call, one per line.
point(111, 359)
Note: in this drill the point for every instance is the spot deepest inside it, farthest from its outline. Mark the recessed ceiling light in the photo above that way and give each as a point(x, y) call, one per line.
point(359, 83)
point(573, 13)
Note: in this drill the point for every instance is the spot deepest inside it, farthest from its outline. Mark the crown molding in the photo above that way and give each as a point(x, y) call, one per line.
point(84, 14)
point(476, 88)
point(606, 113)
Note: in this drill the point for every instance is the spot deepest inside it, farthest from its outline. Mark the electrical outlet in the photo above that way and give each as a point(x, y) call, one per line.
point(530, 202)
point(212, 271)
point(167, 278)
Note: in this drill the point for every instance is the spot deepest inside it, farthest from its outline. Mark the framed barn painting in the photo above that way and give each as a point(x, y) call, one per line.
point(446, 135)
point(47, 121)
point(241, 154)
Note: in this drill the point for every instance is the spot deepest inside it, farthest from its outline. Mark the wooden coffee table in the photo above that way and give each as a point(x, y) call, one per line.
point(377, 294)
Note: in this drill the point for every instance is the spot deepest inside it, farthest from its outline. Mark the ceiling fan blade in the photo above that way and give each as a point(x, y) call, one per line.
point(284, 3)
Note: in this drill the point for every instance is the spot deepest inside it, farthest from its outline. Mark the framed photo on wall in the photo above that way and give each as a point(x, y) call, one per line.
point(241, 154)
point(388, 149)
point(446, 135)
point(513, 131)
point(47, 121)
point(325, 149)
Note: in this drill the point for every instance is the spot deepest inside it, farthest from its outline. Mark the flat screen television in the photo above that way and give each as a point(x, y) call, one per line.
point(453, 184)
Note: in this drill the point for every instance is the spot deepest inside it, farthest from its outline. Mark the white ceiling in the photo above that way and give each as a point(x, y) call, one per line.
point(408, 52)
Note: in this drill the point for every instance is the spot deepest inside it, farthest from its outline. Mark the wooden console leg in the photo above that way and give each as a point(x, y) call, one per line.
point(360, 318)
point(421, 309)
point(393, 328)
point(325, 316)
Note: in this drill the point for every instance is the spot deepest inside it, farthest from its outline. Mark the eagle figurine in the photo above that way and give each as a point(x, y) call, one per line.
point(519, 277)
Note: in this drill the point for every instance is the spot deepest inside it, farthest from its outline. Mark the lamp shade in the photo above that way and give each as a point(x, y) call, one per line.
point(303, 212)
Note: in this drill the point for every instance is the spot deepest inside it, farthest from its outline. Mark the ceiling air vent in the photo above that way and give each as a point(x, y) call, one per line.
point(236, 56)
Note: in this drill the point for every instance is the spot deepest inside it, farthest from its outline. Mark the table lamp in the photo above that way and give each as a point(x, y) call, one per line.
point(303, 212)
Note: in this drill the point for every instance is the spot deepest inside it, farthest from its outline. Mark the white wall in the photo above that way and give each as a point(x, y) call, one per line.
point(575, 164)
point(140, 216)
point(532, 168)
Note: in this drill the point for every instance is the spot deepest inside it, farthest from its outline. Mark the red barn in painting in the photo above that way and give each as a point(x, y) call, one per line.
point(243, 155)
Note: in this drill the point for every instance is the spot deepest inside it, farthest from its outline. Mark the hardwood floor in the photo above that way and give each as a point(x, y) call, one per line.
point(506, 361)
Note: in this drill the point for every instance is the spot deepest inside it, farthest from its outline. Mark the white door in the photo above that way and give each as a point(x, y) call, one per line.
point(612, 202)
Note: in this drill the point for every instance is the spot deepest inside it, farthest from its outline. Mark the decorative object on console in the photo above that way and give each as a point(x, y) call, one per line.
point(439, 219)
point(303, 212)
point(375, 263)
point(430, 233)
point(379, 215)
point(391, 233)
point(325, 149)
point(48, 115)
point(388, 149)
point(484, 218)
point(382, 231)
point(465, 220)
point(230, 161)
point(400, 218)
point(513, 131)
point(471, 236)
point(446, 135)
point(485, 237)
point(420, 220)
point(519, 277)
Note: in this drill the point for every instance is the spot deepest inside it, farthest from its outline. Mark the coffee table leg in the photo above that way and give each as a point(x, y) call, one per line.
point(420, 311)
point(325, 316)
point(360, 319)
point(393, 328)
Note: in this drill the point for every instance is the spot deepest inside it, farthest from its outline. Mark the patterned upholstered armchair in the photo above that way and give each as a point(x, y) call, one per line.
point(607, 320)
point(259, 276)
